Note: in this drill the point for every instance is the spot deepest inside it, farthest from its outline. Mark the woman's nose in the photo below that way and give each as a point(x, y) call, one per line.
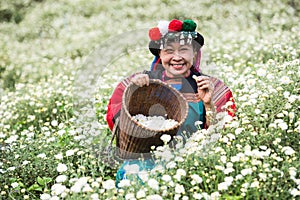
point(176, 55)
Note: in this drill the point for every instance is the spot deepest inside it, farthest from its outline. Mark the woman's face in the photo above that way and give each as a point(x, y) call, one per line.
point(177, 59)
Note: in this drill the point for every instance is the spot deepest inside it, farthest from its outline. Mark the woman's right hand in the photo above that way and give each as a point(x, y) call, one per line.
point(140, 80)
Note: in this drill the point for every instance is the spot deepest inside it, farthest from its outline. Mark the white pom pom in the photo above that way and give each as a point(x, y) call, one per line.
point(163, 27)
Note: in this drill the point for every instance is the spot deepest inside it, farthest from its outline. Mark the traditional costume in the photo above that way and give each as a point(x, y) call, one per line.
point(183, 32)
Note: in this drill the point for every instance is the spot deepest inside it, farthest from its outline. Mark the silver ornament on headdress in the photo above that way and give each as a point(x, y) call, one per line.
point(189, 40)
point(161, 44)
point(181, 39)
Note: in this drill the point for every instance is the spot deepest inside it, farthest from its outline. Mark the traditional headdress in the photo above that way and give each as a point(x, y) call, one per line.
point(175, 30)
point(183, 32)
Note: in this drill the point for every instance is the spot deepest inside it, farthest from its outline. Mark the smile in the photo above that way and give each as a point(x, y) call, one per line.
point(178, 66)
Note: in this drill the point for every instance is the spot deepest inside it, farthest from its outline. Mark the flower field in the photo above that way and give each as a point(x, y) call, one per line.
point(59, 63)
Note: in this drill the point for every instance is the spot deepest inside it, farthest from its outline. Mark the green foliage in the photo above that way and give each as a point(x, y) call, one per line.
point(15, 10)
point(49, 147)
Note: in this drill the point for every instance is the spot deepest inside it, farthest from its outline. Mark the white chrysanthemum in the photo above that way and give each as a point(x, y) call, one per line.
point(257, 111)
point(254, 184)
point(181, 172)
point(198, 123)
point(293, 98)
point(54, 198)
point(293, 172)
point(223, 159)
point(45, 196)
point(25, 162)
point(215, 195)
point(95, 184)
point(288, 150)
point(155, 122)
point(239, 131)
point(238, 177)
point(129, 196)
point(132, 169)
point(143, 175)
point(247, 171)
point(179, 159)
point(171, 165)
point(197, 196)
point(87, 188)
point(165, 138)
point(228, 170)
point(59, 156)
point(179, 189)
point(109, 184)
point(261, 72)
point(61, 178)
point(70, 152)
point(196, 179)
point(152, 183)
point(163, 27)
point(291, 115)
point(285, 80)
point(57, 189)
point(61, 167)
point(262, 176)
point(141, 194)
point(54, 123)
point(154, 197)
point(222, 186)
point(166, 178)
point(124, 183)
point(14, 184)
point(219, 167)
point(11, 139)
point(228, 180)
point(294, 192)
point(95, 196)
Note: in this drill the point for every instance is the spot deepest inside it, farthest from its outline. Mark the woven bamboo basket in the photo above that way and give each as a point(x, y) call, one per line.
point(158, 99)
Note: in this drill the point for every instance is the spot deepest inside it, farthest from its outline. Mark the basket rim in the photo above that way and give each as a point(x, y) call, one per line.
point(157, 81)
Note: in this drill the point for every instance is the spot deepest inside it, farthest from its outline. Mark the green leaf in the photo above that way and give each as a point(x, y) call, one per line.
point(11, 180)
point(47, 179)
point(35, 187)
point(21, 184)
point(40, 181)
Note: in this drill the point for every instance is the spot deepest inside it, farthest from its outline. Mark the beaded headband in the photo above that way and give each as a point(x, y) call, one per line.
point(175, 30)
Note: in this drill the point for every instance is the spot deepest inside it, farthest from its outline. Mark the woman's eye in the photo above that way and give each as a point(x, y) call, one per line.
point(169, 50)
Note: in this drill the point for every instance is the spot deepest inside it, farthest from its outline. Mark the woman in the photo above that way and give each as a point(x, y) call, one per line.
point(177, 49)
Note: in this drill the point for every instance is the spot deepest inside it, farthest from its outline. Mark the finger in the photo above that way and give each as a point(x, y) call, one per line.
point(203, 87)
point(202, 83)
point(207, 85)
point(144, 80)
point(202, 78)
point(147, 80)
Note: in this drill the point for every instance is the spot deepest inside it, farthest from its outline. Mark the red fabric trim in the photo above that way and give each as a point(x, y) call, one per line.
point(115, 102)
point(156, 63)
point(114, 105)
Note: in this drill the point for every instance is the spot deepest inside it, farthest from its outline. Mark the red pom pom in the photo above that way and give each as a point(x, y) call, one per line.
point(154, 33)
point(175, 25)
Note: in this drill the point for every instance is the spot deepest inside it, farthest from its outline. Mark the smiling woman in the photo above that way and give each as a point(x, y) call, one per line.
point(177, 48)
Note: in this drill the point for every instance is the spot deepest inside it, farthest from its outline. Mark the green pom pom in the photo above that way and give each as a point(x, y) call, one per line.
point(189, 25)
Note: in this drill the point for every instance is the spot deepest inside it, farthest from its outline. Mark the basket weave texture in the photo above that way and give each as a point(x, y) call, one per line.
point(157, 99)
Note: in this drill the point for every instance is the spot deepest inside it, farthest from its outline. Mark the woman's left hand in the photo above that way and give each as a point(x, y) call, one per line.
point(205, 89)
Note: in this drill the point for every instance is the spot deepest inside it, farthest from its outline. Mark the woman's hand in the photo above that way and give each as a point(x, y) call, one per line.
point(140, 80)
point(205, 93)
point(205, 89)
